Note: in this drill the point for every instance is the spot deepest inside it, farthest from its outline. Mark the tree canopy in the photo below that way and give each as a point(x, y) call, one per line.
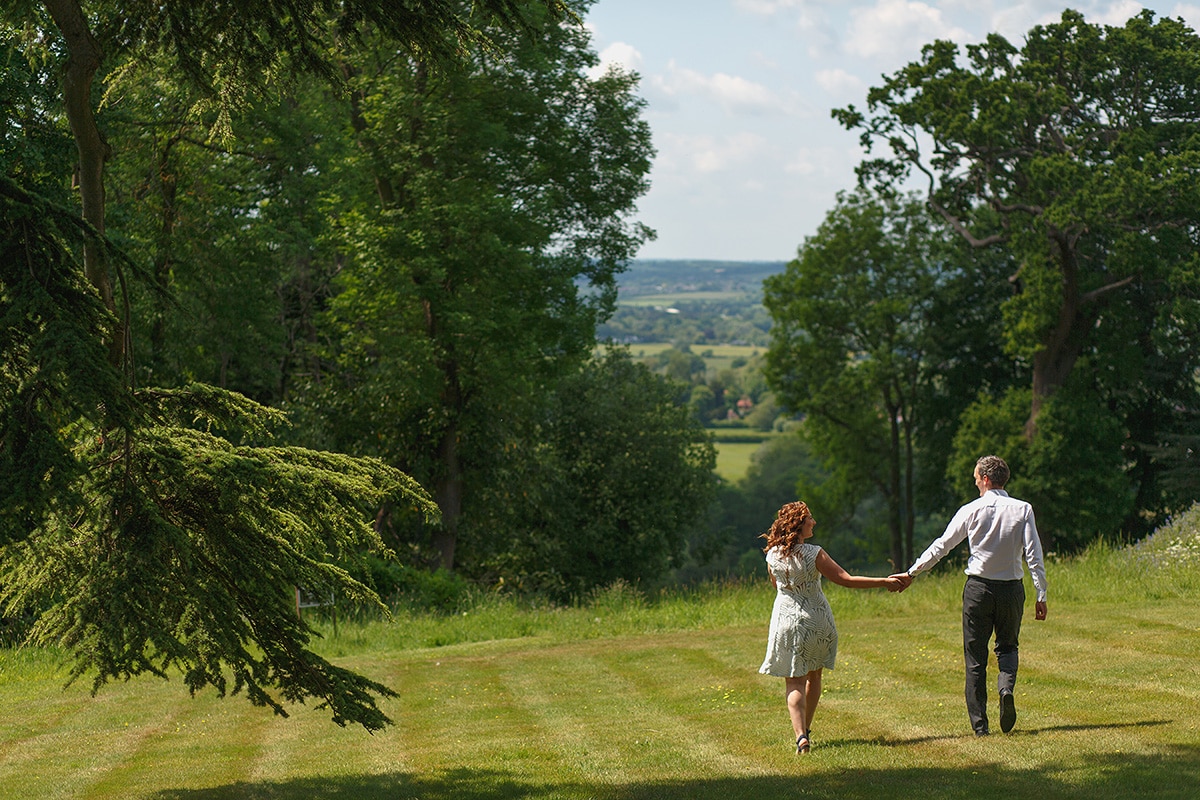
point(1077, 154)
point(854, 348)
point(152, 522)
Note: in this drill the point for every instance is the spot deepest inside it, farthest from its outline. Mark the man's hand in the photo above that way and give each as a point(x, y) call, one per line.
point(1039, 609)
point(902, 581)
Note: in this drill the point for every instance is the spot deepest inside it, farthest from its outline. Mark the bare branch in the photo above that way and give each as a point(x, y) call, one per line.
point(963, 231)
point(1095, 294)
point(1010, 208)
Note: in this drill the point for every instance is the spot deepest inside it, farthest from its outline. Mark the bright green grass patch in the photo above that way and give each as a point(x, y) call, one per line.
point(736, 448)
point(734, 459)
point(626, 697)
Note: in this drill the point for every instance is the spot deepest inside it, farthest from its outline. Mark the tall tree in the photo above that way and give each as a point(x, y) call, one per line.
point(485, 249)
point(853, 322)
point(149, 529)
point(158, 529)
point(1076, 153)
point(842, 352)
point(1084, 142)
point(227, 50)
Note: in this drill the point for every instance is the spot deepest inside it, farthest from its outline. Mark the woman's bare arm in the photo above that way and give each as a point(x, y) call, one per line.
point(831, 570)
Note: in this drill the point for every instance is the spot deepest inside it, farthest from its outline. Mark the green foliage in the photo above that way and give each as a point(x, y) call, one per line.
point(234, 53)
point(483, 230)
point(418, 590)
point(35, 148)
point(620, 475)
point(1076, 152)
point(192, 557)
point(136, 535)
point(989, 426)
point(719, 393)
point(853, 319)
point(698, 322)
point(781, 469)
point(158, 530)
point(54, 371)
point(1073, 473)
point(188, 550)
point(1078, 445)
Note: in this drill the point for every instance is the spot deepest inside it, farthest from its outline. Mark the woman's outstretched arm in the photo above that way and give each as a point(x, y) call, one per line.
point(831, 570)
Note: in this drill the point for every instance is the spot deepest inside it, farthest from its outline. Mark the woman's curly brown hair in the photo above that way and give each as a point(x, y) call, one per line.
point(785, 530)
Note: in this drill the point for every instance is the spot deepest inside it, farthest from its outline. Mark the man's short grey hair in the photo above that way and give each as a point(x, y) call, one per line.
point(994, 469)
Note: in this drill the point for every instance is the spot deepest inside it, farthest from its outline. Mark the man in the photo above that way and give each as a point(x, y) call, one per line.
point(1000, 531)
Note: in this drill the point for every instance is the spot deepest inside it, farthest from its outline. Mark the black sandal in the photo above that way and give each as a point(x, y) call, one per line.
point(802, 744)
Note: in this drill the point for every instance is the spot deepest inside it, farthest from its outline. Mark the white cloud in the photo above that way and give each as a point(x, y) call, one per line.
point(732, 93)
point(839, 82)
point(894, 29)
point(685, 154)
point(1189, 13)
point(1014, 22)
point(623, 55)
point(819, 161)
point(1117, 14)
point(768, 7)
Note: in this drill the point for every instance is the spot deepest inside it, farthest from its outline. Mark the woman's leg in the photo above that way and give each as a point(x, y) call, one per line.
point(812, 696)
point(797, 705)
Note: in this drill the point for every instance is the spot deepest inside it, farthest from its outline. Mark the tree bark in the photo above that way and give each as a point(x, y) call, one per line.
point(1064, 343)
point(83, 61)
point(448, 496)
point(164, 254)
point(448, 485)
point(894, 497)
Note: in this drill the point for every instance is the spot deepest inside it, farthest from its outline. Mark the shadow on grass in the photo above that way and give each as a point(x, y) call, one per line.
point(884, 741)
point(1171, 776)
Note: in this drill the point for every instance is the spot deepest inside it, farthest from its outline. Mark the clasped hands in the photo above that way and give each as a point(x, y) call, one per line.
point(899, 582)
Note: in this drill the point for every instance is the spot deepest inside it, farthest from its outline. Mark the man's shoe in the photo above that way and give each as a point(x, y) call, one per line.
point(1008, 712)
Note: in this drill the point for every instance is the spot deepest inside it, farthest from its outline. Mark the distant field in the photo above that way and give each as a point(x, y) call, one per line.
point(720, 352)
point(735, 446)
point(734, 458)
point(735, 450)
point(675, 298)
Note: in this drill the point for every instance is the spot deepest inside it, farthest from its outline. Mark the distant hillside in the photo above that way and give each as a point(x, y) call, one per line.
point(685, 276)
point(691, 302)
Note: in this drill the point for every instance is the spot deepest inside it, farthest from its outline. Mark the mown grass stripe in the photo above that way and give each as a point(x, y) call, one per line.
point(629, 699)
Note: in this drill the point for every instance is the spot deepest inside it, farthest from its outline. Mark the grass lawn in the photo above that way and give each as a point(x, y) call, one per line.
point(628, 698)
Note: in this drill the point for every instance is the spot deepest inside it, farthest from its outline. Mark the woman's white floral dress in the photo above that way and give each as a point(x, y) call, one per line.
point(803, 636)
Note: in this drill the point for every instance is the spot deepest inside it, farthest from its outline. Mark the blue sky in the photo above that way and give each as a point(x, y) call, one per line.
point(739, 94)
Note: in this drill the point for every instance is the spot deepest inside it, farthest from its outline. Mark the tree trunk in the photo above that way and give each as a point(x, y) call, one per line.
point(448, 495)
point(1064, 343)
point(383, 186)
point(910, 519)
point(164, 256)
point(83, 60)
point(448, 486)
point(894, 497)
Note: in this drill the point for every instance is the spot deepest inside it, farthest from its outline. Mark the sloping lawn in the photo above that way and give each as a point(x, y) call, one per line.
point(631, 698)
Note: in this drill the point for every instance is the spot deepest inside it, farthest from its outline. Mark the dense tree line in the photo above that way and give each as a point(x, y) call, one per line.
point(291, 284)
point(1041, 300)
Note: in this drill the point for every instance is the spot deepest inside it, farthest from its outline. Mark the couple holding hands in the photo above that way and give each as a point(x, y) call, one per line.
point(1000, 532)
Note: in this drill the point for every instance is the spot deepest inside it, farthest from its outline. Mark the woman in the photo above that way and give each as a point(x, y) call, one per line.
point(803, 638)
